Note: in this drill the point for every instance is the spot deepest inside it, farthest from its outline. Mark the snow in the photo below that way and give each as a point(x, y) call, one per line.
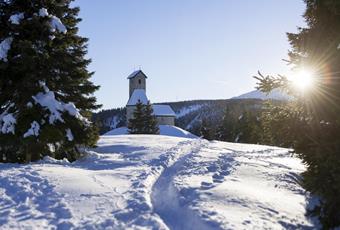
point(117, 131)
point(7, 123)
point(192, 122)
point(43, 12)
point(186, 110)
point(163, 110)
point(69, 135)
point(5, 46)
point(29, 105)
point(73, 111)
point(174, 131)
point(158, 182)
point(135, 73)
point(114, 122)
point(42, 84)
point(55, 107)
point(51, 147)
point(137, 96)
point(166, 130)
point(15, 18)
point(34, 130)
point(56, 24)
point(276, 94)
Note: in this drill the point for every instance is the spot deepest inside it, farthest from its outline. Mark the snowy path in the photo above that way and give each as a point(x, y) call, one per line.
point(166, 201)
point(235, 186)
point(157, 182)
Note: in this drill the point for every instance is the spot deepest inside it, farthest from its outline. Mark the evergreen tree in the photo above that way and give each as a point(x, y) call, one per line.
point(242, 129)
point(45, 92)
point(143, 121)
point(225, 131)
point(312, 123)
point(205, 130)
point(136, 125)
point(150, 121)
point(248, 128)
point(278, 123)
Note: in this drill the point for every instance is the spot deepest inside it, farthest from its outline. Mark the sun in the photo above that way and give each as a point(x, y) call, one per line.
point(302, 79)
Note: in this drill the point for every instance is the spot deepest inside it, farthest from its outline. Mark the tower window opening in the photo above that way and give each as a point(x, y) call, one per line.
point(139, 81)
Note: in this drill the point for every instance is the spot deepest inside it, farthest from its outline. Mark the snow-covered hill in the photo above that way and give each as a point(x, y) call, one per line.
point(166, 130)
point(157, 182)
point(276, 94)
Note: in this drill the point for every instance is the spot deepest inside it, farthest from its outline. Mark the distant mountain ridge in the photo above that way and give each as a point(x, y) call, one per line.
point(276, 94)
point(190, 114)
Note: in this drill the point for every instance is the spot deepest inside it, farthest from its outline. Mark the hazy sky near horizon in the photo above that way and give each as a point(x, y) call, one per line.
point(189, 49)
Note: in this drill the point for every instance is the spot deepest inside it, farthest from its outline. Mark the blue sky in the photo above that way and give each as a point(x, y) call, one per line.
point(190, 49)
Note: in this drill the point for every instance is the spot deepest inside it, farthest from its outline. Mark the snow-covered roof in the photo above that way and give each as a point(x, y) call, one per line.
point(136, 73)
point(138, 95)
point(163, 110)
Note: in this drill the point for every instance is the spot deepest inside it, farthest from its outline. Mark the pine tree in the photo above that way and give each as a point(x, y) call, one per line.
point(150, 121)
point(248, 128)
point(225, 131)
point(45, 92)
point(143, 121)
point(312, 122)
point(136, 125)
point(205, 130)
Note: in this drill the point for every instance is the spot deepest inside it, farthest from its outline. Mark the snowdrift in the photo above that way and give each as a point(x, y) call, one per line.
point(166, 130)
point(158, 182)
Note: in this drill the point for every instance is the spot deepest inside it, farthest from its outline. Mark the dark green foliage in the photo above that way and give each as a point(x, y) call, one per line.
point(143, 121)
point(107, 120)
point(136, 124)
point(244, 128)
point(151, 126)
point(248, 128)
point(50, 64)
point(311, 125)
point(226, 130)
point(212, 110)
point(279, 122)
point(205, 130)
point(221, 116)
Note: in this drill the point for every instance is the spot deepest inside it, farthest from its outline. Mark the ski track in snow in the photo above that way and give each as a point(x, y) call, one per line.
point(158, 182)
point(166, 201)
point(140, 209)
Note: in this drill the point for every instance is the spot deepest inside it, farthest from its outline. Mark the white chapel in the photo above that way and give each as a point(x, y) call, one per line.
point(137, 93)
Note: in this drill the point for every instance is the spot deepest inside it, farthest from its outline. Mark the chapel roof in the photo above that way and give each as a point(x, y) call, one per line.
point(138, 95)
point(163, 110)
point(136, 73)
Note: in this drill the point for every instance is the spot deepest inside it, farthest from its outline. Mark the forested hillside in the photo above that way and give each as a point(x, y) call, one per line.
point(230, 120)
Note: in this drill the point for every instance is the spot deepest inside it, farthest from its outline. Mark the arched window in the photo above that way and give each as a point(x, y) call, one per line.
point(139, 81)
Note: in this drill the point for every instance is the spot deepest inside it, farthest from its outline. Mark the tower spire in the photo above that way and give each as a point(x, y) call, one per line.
point(137, 80)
